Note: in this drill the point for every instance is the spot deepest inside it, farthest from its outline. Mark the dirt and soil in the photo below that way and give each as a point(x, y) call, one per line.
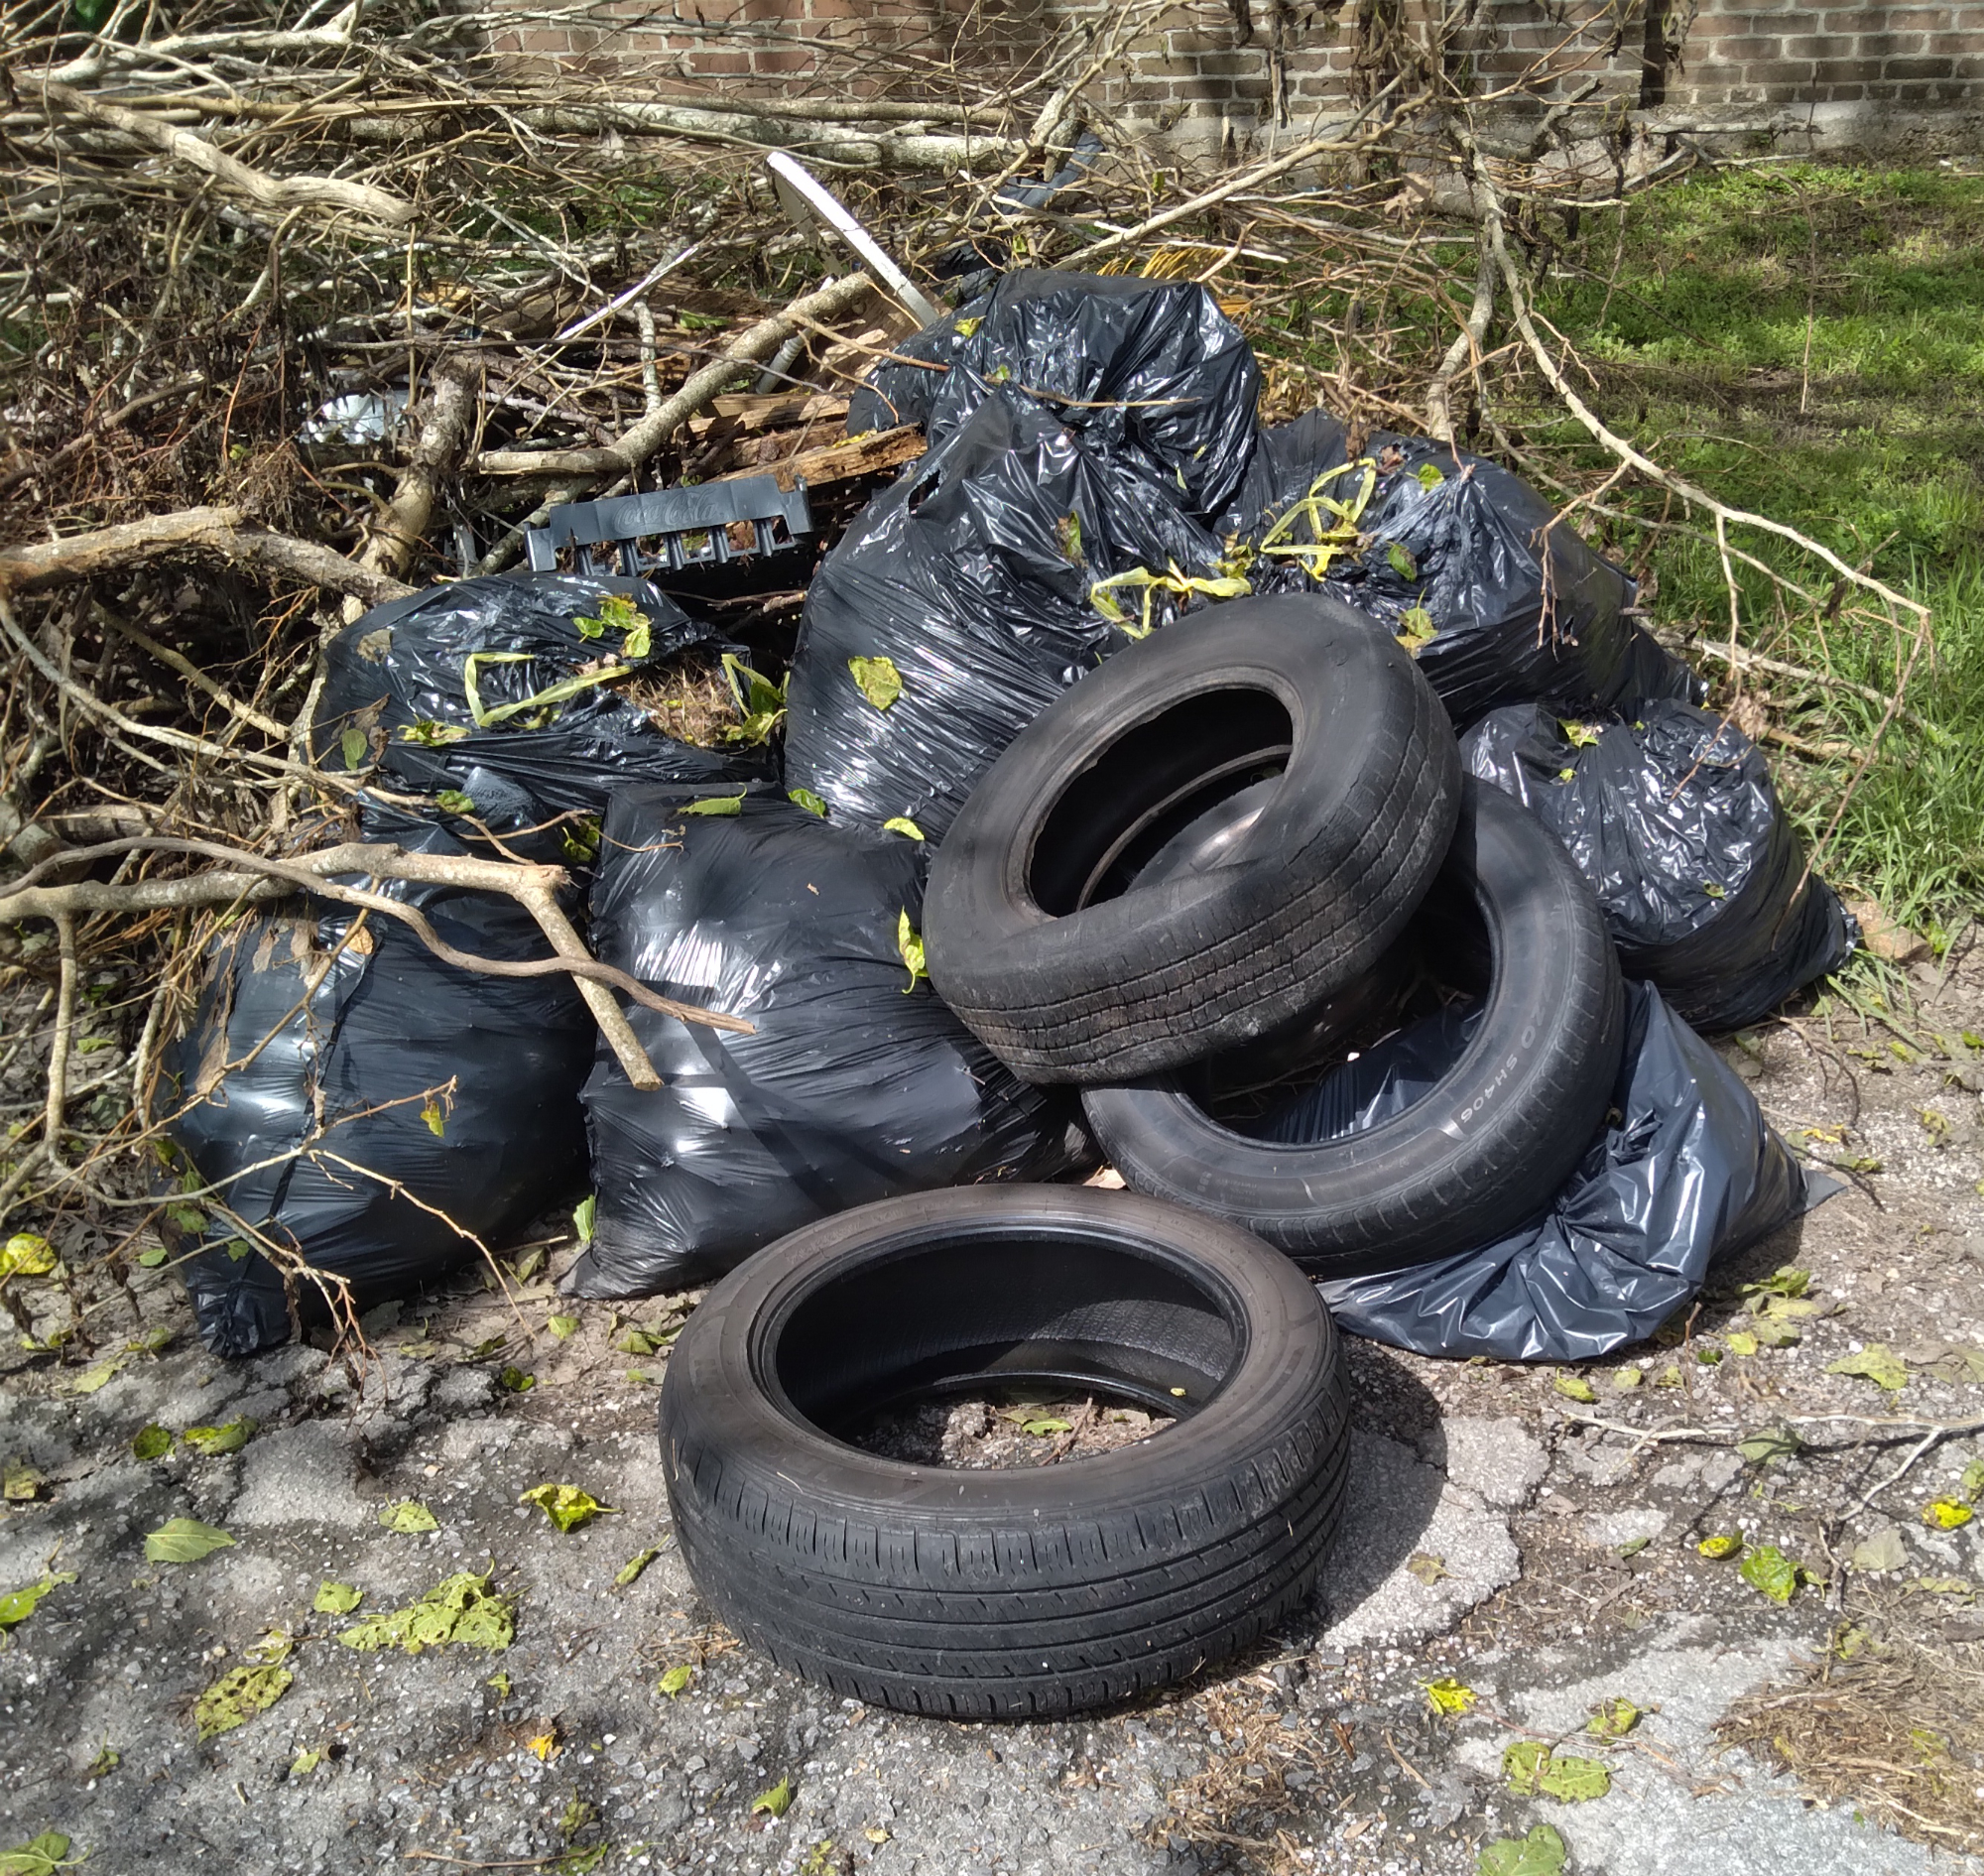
point(1537, 1548)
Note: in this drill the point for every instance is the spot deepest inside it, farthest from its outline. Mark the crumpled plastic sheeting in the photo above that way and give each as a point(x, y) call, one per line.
point(1513, 621)
point(403, 664)
point(972, 575)
point(854, 1085)
point(1149, 373)
point(1673, 819)
point(357, 1024)
point(1689, 1173)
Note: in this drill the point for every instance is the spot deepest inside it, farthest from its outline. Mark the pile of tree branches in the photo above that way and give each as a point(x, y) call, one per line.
point(300, 310)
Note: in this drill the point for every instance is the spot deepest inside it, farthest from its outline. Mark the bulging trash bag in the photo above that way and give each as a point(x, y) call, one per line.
point(1673, 819)
point(1147, 373)
point(499, 695)
point(857, 1083)
point(1686, 1172)
point(350, 1055)
point(960, 604)
point(1457, 557)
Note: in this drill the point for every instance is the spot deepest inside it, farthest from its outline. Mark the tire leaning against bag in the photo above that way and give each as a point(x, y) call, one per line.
point(1486, 1148)
point(1005, 1593)
point(1038, 934)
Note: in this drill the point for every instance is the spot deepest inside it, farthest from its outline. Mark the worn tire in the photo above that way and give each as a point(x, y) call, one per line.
point(1041, 936)
point(1486, 1148)
point(1005, 1593)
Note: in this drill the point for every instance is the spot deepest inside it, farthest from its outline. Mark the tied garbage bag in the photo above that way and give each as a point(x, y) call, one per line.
point(505, 697)
point(962, 601)
point(856, 1082)
point(349, 1055)
point(1147, 373)
point(1458, 557)
point(1673, 819)
point(1686, 1172)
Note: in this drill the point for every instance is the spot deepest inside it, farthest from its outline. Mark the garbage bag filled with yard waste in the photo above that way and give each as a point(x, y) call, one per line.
point(964, 600)
point(1149, 373)
point(1686, 1172)
point(1671, 816)
point(345, 1052)
point(857, 1083)
point(1458, 558)
point(508, 699)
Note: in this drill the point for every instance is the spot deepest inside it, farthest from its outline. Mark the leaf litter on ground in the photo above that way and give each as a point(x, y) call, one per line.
point(185, 1540)
point(564, 1505)
point(242, 1692)
point(461, 1609)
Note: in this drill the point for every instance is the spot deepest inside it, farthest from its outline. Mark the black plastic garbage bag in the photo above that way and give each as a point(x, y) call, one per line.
point(1673, 819)
point(1686, 1172)
point(488, 692)
point(960, 604)
point(1437, 542)
point(1147, 373)
point(856, 1084)
point(359, 1045)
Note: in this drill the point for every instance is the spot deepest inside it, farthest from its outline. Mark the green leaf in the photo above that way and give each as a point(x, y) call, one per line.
point(1579, 735)
point(904, 826)
point(806, 798)
point(431, 734)
point(564, 1327)
point(462, 1610)
point(18, 1604)
point(630, 1571)
point(500, 1680)
point(1448, 1695)
point(151, 1259)
point(1417, 629)
point(1771, 1572)
point(26, 1255)
point(968, 328)
point(1429, 475)
point(1574, 1781)
point(1047, 1428)
point(306, 1762)
point(1878, 1363)
point(1631, 1548)
point(436, 1121)
point(564, 1505)
point(1575, 1387)
point(1614, 1720)
point(714, 804)
point(1973, 1478)
point(1741, 1341)
point(516, 1380)
point(1523, 1764)
point(636, 1341)
point(50, 1850)
point(93, 1378)
point(355, 747)
point(638, 644)
point(774, 1803)
point(760, 702)
point(185, 1540)
point(584, 1216)
point(239, 1694)
point(1067, 538)
point(1785, 1280)
point(1540, 1853)
point(877, 679)
point(590, 628)
point(1626, 1379)
point(675, 1679)
point(1428, 1568)
point(451, 800)
point(910, 944)
point(214, 1441)
point(337, 1598)
point(1401, 561)
point(1770, 1445)
point(151, 1441)
point(20, 1482)
point(1880, 1550)
point(409, 1518)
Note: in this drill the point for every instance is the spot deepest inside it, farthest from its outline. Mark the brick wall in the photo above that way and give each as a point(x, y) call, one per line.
point(1199, 80)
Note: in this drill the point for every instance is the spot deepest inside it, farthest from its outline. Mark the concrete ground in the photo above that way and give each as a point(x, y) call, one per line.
point(1539, 1550)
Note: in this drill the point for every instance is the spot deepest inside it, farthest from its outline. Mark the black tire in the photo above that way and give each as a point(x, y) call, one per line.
point(1040, 934)
point(1484, 1151)
point(1005, 1593)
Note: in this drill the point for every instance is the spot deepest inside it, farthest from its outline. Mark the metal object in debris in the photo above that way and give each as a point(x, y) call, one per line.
point(690, 527)
point(805, 197)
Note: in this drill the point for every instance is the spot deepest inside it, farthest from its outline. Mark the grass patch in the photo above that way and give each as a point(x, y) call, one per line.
point(1808, 342)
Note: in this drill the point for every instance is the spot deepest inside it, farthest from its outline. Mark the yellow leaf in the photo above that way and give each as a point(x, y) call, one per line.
point(545, 1745)
point(1946, 1515)
point(1448, 1695)
point(1720, 1546)
point(1741, 1342)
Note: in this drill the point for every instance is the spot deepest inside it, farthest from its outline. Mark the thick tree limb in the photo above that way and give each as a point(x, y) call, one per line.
point(755, 345)
point(277, 193)
point(253, 876)
point(1465, 350)
point(222, 533)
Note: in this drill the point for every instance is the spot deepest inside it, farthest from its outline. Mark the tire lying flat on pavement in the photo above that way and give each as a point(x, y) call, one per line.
point(1022, 1592)
point(1038, 930)
point(1488, 1146)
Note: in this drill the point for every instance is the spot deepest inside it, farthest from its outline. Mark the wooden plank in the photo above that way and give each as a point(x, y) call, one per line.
point(874, 453)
